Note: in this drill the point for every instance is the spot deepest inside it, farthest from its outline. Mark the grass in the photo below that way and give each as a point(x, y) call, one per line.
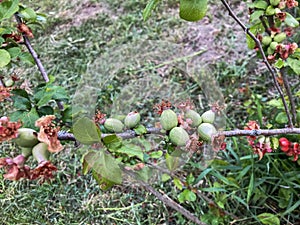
point(73, 47)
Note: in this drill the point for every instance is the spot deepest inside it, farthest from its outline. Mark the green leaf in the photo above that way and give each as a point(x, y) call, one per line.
point(28, 14)
point(250, 187)
point(281, 118)
point(28, 118)
point(26, 57)
point(177, 183)
point(86, 131)
point(279, 63)
point(21, 103)
point(140, 130)
point(290, 20)
point(187, 195)
point(255, 16)
point(294, 64)
point(275, 142)
point(276, 103)
point(268, 219)
point(14, 52)
point(8, 9)
point(104, 165)
point(172, 162)
point(165, 177)
point(261, 4)
point(151, 5)
point(104, 183)
point(190, 179)
point(192, 10)
point(112, 142)
point(45, 110)
point(5, 58)
point(156, 154)
point(132, 151)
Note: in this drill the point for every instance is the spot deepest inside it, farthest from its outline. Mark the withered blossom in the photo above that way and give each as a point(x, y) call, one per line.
point(4, 93)
point(8, 130)
point(44, 171)
point(49, 133)
point(15, 168)
point(160, 107)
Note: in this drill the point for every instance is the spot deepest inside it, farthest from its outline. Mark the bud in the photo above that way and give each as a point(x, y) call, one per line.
point(280, 37)
point(273, 45)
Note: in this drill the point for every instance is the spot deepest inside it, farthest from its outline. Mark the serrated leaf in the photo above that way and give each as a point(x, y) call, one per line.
point(192, 10)
point(140, 130)
point(8, 9)
point(294, 64)
point(156, 154)
point(5, 58)
point(190, 179)
point(268, 219)
point(28, 119)
point(21, 103)
point(187, 195)
point(291, 21)
point(86, 131)
point(151, 5)
point(132, 151)
point(104, 165)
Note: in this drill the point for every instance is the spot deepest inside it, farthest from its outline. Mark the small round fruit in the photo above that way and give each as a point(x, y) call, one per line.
point(178, 136)
point(168, 119)
point(208, 116)
point(40, 152)
point(113, 125)
point(132, 119)
point(9, 82)
point(280, 37)
point(273, 45)
point(195, 117)
point(26, 152)
point(266, 40)
point(26, 138)
point(206, 130)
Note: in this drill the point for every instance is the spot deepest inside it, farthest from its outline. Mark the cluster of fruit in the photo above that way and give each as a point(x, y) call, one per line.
point(170, 123)
point(28, 142)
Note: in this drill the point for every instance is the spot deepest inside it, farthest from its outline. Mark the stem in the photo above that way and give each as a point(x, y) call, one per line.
point(270, 68)
point(33, 53)
point(289, 93)
point(167, 200)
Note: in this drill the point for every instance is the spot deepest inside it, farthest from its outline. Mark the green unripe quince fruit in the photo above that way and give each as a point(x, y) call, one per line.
point(26, 152)
point(113, 125)
point(26, 138)
point(274, 2)
point(132, 119)
point(270, 51)
point(40, 152)
point(266, 40)
point(195, 117)
point(206, 130)
point(273, 45)
point(192, 10)
point(168, 119)
point(178, 136)
point(208, 116)
point(280, 37)
point(9, 82)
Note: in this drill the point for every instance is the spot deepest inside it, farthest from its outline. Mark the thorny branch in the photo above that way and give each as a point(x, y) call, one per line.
point(270, 68)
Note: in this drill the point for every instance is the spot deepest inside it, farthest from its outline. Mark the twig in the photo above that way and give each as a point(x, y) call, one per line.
point(264, 132)
point(33, 53)
point(270, 68)
point(231, 133)
point(166, 200)
point(289, 93)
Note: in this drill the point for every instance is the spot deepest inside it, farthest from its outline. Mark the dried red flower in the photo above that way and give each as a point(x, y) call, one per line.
point(291, 3)
point(44, 171)
point(4, 93)
point(281, 16)
point(15, 168)
point(99, 117)
point(160, 107)
point(8, 130)
point(25, 30)
point(49, 133)
point(288, 31)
